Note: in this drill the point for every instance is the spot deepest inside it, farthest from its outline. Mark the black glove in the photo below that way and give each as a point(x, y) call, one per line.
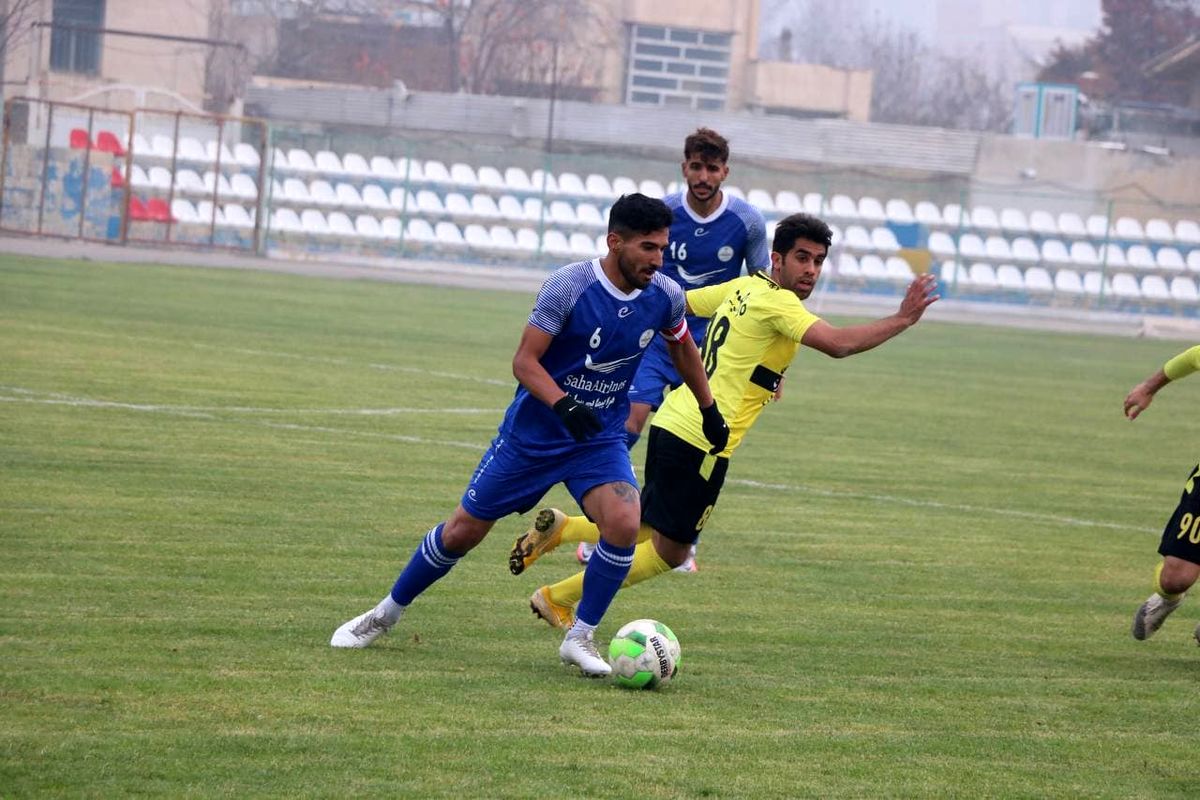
point(581, 422)
point(715, 429)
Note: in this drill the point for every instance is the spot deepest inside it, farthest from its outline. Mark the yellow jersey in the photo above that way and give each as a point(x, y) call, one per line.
point(753, 334)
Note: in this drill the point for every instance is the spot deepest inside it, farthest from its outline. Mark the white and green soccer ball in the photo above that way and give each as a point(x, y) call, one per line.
point(644, 654)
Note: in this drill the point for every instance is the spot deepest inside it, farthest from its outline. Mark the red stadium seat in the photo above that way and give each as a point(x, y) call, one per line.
point(117, 181)
point(79, 139)
point(108, 143)
point(158, 210)
point(137, 209)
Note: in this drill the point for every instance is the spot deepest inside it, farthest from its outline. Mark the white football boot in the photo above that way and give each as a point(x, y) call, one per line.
point(580, 650)
point(361, 631)
point(1151, 615)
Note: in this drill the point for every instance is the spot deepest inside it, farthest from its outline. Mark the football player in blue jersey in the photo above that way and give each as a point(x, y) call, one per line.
point(589, 328)
point(713, 234)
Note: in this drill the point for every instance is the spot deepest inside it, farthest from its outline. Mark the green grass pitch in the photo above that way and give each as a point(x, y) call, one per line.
point(919, 580)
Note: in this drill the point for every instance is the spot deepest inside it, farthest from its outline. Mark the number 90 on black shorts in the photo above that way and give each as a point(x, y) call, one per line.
point(682, 483)
point(1181, 537)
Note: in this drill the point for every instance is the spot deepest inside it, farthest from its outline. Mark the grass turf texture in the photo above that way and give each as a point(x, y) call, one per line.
point(919, 580)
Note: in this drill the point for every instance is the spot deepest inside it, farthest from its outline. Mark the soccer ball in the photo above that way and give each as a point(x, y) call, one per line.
point(644, 654)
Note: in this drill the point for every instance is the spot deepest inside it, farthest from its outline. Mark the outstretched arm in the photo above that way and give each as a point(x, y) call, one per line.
point(1140, 396)
point(842, 342)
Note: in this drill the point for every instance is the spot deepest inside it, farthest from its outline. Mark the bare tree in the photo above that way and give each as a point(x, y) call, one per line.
point(16, 18)
point(911, 84)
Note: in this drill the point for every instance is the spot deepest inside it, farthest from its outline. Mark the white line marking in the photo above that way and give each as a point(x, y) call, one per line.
point(343, 362)
point(908, 501)
point(53, 398)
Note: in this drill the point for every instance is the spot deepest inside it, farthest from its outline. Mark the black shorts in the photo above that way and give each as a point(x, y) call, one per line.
point(682, 485)
point(1181, 537)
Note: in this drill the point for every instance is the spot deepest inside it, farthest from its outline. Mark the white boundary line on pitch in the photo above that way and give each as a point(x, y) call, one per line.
point(908, 501)
point(48, 398)
point(246, 351)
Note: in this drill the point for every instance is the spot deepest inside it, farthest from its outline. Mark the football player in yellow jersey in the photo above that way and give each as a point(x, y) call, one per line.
point(757, 324)
point(1180, 545)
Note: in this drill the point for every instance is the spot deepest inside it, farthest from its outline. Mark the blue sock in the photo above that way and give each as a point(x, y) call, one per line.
point(429, 562)
point(606, 570)
point(631, 439)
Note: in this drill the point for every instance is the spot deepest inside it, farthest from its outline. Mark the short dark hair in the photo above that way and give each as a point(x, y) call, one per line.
point(800, 226)
point(636, 214)
point(706, 143)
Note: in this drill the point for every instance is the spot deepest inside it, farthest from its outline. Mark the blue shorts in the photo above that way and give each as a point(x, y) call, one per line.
point(656, 374)
point(512, 479)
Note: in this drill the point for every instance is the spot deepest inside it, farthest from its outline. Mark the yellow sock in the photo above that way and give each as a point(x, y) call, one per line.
point(1170, 598)
point(580, 529)
point(647, 563)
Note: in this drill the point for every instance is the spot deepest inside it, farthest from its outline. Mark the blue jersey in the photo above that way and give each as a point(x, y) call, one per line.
point(600, 334)
point(704, 251)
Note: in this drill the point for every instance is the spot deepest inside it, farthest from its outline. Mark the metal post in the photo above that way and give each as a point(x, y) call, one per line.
point(45, 168)
point(87, 168)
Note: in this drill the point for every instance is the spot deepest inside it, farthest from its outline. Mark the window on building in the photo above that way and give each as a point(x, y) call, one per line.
point(668, 60)
point(75, 38)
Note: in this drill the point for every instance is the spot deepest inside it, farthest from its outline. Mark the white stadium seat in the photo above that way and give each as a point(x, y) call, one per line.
point(457, 205)
point(954, 215)
point(246, 155)
point(428, 204)
point(814, 204)
point(998, 248)
point(898, 269)
point(448, 234)
point(237, 216)
point(419, 231)
point(299, 160)
point(543, 182)
point(1009, 277)
point(872, 266)
point(1071, 225)
point(970, 246)
point(490, 179)
point(954, 275)
point(1038, 281)
point(562, 214)
point(1128, 228)
point(1012, 220)
point(1083, 254)
point(1184, 290)
point(571, 185)
point(384, 168)
point(435, 172)
point(517, 180)
point(373, 196)
point(1193, 260)
point(651, 188)
point(214, 150)
point(899, 211)
point(285, 220)
point(983, 218)
point(942, 244)
point(321, 192)
point(1139, 256)
point(348, 196)
point(847, 266)
point(842, 207)
point(1112, 255)
point(583, 245)
point(511, 208)
point(463, 176)
point(927, 213)
point(622, 186)
point(1154, 288)
point(1159, 230)
point(295, 191)
point(1187, 232)
point(857, 238)
point(598, 187)
point(183, 211)
point(787, 202)
point(243, 186)
point(1055, 252)
point(1170, 258)
point(1025, 251)
point(1097, 226)
point(391, 228)
point(191, 150)
point(1066, 281)
point(477, 237)
point(884, 240)
point(483, 206)
point(502, 238)
point(983, 275)
point(354, 164)
point(314, 222)
point(328, 163)
point(1126, 286)
point(761, 200)
point(368, 227)
point(588, 214)
point(1042, 223)
point(871, 210)
point(410, 170)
